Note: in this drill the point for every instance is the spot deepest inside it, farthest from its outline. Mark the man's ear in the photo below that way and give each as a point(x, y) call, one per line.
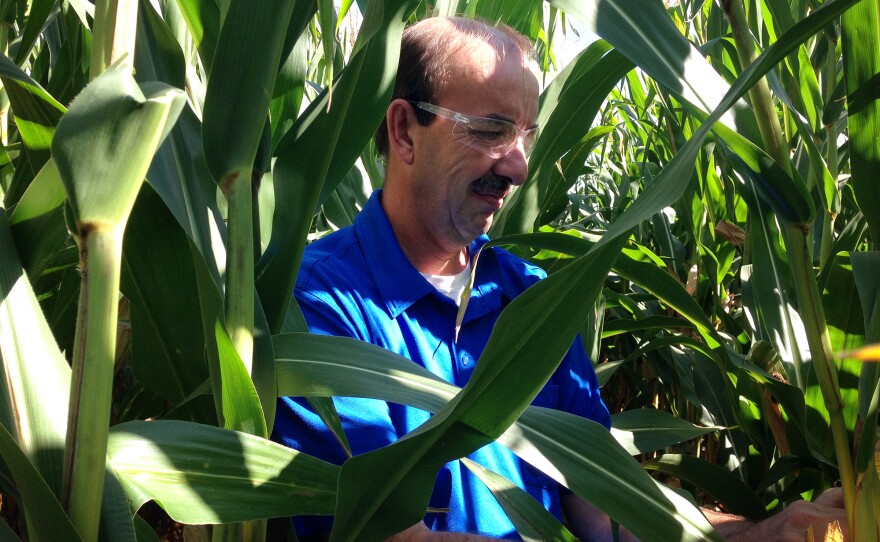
point(401, 120)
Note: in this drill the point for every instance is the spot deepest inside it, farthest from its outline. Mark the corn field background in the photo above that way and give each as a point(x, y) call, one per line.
point(704, 193)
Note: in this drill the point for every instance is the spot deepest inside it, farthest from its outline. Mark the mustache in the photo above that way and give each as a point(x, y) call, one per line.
point(492, 183)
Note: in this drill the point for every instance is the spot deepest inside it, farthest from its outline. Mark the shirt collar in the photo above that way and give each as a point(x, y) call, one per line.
point(400, 283)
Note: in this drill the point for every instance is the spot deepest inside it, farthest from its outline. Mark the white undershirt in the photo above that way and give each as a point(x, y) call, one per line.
point(452, 286)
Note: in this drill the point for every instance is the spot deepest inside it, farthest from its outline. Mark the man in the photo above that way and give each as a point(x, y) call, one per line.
point(456, 137)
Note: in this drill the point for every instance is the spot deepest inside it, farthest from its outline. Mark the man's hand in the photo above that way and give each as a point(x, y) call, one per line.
point(421, 533)
point(790, 525)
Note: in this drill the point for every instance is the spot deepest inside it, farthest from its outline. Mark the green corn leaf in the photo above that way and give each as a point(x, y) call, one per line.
point(650, 40)
point(327, 16)
point(241, 405)
point(620, 326)
point(35, 113)
point(167, 354)
point(203, 20)
point(664, 61)
point(866, 265)
point(324, 407)
point(846, 327)
point(567, 108)
point(263, 374)
point(158, 56)
point(46, 520)
point(529, 340)
point(532, 521)
point(34, 369)
point(38, 15)
point(203, 474)
point(317, 152)
point(714, 479)
point(576, 452)
point(768, 292)
point(237, 101)
point(116, 516)
point(106, 141)
point(646, 430)
point(860, 42)
point(43, 195)
point(654, 279)
point(180, 176)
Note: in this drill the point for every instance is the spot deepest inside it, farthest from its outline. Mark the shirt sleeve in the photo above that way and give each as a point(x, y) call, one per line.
point(578, 387)
point(366, 422)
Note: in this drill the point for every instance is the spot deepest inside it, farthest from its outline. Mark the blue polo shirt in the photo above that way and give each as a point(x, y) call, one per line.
point(358, 283)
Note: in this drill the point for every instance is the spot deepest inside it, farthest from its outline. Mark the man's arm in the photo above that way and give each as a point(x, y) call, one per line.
point(589, 524)
point(421, 533)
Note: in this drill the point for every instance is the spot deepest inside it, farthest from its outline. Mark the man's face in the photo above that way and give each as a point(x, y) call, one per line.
point(457, 186)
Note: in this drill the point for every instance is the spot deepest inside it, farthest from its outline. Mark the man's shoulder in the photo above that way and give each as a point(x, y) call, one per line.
point(332, 259)
point(515, 271)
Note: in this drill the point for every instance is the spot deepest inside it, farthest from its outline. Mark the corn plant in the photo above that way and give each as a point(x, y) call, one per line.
point(191, 217)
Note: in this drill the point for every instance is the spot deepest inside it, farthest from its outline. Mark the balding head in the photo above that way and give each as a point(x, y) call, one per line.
point(428, 55)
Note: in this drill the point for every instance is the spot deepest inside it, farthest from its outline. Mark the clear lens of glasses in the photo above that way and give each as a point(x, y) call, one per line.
point(495, 137)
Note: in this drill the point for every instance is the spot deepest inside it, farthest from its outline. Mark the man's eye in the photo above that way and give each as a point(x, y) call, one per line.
point(486, 135)
point(486, 132)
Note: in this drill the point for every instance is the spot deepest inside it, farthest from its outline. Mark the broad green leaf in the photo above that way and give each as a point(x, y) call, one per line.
point(866, 265)
point(567, 108)
point(768, 292)
point(714, 480)
point(263, 374)
point(860, 42)
point(645, 430)
point(532, 521)
point(203, 20)
point(585, 458)
point(202, 474)
point(211, 306)
point(43, 195)
point(38, 16)
point(652, 278)
point(110, 133)
point(317, 152)
point(237, 100)
point(35, 113)
point(620, 326)
point(241, 404)
point(529, 340)
point(327, 17)
point(181, 177)
point(157, 277)
point(577, 453)
point(116, 516)
point(651, 41)
point(158, 56)
point(846, 327)
point(798, 64)
point(672, 181)
point(36, 383)
point(46, 520)
point(867, 523)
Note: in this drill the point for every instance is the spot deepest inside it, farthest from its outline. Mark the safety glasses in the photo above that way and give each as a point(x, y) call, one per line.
point(494, 137)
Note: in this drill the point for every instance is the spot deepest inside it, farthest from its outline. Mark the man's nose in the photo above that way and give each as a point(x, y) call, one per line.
point(515, 164)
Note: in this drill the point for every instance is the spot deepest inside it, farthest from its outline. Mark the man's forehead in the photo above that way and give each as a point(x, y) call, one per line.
point(480, 61)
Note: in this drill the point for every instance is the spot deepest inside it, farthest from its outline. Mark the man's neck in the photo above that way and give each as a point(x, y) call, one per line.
point(423, 250)
point(428, 256)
